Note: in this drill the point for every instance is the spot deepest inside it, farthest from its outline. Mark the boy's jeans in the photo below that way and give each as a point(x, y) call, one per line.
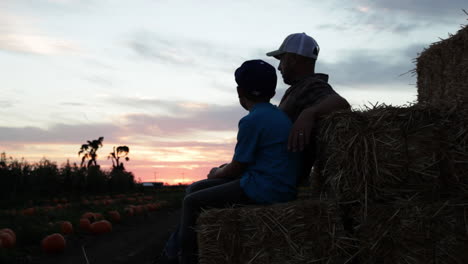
point(218, 193)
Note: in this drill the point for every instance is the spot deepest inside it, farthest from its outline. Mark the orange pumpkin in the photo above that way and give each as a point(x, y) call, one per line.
point(114, 216)
point(53, 244)
point(88, 215)
point(29, 211)
point(9, 231)
point(85, 224)
point(138, 210)
point(51, 208)
point(98, 216)
point(101, 227)
point(66, 227)
point(8, 241)
point(129, 211)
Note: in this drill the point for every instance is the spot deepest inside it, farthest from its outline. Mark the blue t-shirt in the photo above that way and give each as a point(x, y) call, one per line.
point(262, 143)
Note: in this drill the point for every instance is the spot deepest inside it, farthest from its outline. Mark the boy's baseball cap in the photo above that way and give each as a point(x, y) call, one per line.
point(257, 78)
point(298, 43)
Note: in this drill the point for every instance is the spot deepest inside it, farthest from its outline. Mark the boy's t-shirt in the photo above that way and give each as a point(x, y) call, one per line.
point(262, 143)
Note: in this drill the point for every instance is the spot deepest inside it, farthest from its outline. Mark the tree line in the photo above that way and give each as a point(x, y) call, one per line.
point(19, 178)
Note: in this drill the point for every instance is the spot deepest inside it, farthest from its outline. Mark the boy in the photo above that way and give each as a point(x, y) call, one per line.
point(262, 170)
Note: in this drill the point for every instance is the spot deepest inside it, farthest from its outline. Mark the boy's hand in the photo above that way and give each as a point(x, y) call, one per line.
point(212, 173)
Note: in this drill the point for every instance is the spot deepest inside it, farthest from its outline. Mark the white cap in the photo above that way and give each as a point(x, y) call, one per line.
point(298, 43)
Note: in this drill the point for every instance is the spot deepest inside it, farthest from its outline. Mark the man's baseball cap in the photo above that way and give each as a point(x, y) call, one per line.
point(257, 78)
point(298, 43)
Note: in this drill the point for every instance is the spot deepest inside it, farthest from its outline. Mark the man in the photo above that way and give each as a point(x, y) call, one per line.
point(309, 97)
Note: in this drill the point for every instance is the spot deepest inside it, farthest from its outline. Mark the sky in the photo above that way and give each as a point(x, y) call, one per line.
point(157, 75)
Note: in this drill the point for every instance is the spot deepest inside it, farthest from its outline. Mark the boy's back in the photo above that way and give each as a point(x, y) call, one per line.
point(262, 144)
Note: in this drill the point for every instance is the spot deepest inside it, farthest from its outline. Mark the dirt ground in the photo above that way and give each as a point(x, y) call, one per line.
point(139, 240)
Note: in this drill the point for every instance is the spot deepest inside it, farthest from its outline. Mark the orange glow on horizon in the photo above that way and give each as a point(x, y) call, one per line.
point(171, 165)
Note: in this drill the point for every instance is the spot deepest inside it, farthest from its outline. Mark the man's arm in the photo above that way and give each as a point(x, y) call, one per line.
point(301, 131)
point(230, 170)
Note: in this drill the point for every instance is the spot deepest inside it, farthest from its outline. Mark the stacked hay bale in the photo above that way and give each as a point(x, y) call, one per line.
point(443, 71)
point(303, 231)
point(400, 175)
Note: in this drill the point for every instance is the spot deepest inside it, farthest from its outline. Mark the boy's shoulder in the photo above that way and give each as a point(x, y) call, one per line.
point(266, 113)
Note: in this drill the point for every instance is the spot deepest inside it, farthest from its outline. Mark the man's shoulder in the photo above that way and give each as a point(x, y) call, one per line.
point(317, 80)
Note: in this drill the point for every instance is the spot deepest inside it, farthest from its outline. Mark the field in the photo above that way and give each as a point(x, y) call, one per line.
point(140, 223)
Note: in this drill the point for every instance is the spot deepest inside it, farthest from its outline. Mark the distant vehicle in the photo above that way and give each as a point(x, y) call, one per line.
point(150, 185)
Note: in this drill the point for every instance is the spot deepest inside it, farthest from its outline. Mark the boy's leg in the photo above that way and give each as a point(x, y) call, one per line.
point(173, 244)
point(206, 183)
point(216, 197)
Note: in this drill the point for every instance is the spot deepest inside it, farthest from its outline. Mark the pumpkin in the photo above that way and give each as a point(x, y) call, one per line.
point(9, 231)
point(29, 211)
point(8, 241)
point(114, 216)
point(90, 216)
point(101, 227)
point(129, 211)
point(98, 216)
point(66, 227)
point(138, 210)
point(54, 243)
point(85, 224)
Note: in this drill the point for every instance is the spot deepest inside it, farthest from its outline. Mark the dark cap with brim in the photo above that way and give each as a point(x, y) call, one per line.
point(257, 78)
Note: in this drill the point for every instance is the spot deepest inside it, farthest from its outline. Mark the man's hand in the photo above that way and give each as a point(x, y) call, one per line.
point(301, 131)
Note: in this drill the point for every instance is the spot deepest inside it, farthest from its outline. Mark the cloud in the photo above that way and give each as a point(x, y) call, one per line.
point(20, 34)
point(377, 69)
point(211, 118)
point(181, 118)
point(400, 16)
point(72, 104)
point(183, 52)
point(430, 8)
point(6, 103)
point(59, 133)
point(99, 80)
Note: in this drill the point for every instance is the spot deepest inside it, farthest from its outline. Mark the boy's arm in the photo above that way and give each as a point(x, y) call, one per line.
point(231, 170)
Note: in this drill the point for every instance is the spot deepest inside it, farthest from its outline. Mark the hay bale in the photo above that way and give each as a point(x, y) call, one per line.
point(442, 71)
point(298, 232)
point(387, 153)
point(412, 232)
